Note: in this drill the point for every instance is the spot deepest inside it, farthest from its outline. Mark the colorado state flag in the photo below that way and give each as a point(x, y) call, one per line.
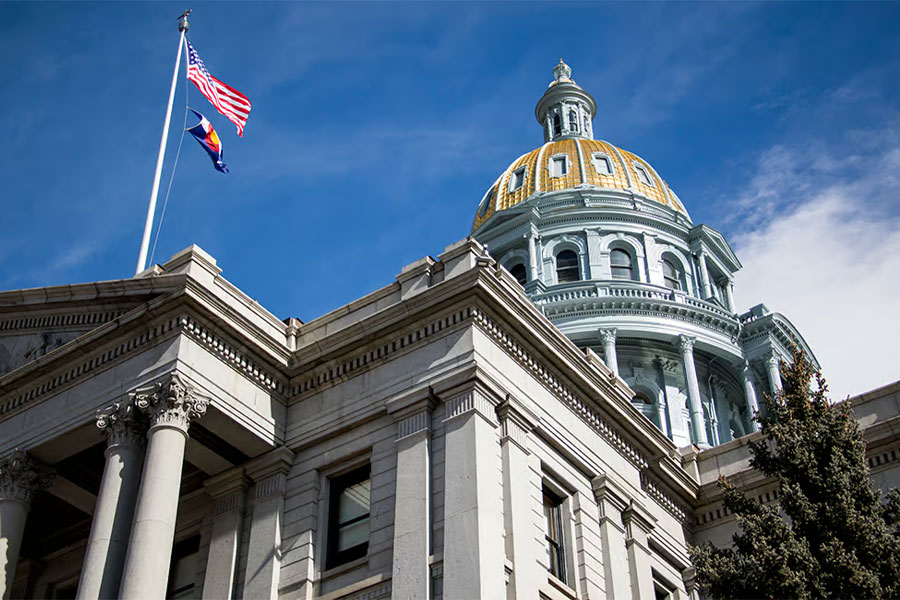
point(204, 133)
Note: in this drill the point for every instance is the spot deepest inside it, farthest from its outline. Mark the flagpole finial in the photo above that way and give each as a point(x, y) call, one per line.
point(183, 24)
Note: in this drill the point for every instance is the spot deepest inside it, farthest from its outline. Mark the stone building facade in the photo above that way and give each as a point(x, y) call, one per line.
point(455, 434)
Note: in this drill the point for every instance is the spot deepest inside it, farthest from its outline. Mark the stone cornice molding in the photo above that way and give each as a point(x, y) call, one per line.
point(21, 476)
point(123, 424)
point(637, 519)
point(172, 402)
point(609, 495)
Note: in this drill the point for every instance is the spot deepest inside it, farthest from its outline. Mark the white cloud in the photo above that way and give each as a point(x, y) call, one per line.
point(823, 248)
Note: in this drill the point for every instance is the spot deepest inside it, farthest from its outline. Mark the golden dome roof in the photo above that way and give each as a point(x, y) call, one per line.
point(591, 162)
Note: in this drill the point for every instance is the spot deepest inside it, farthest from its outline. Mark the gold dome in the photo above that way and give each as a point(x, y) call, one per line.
point(591, 162)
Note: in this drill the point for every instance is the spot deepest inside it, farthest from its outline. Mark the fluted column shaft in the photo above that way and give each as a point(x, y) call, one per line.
point(772, 366)
point(608, 338)
point(104, 558)
point(698, 424)
point(171, 406)
point(20, 477)
point(750, 393)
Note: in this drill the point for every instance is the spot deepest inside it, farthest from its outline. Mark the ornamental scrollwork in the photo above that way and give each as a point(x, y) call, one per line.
point(172, 402)
point(21, 476)
point(123, 423)
point(686, 343)
point(608, 336)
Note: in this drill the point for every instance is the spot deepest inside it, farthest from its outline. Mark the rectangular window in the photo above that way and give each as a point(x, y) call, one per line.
point(517, 180)
point(643, 175)
point(603, 164)
point(553, 534)
point(558, 166)
point(348, 517)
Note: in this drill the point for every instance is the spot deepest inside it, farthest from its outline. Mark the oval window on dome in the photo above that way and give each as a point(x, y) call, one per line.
point(643, 174)
point(486, 203)
point(620, 264)
point(602, 163)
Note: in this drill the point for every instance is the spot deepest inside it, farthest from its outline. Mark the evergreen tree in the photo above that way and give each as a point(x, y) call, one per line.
point(830, 534)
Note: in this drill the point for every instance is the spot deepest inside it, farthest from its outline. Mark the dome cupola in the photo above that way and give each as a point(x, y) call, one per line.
point(565, 110)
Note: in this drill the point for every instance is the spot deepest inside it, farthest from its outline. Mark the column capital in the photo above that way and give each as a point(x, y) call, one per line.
point(21, 476)
point(773, 360)
point(472, 396)
point(123, 424)
point(412, 411)
point(686, 343)
point(637, 519)
point(608, 336)
point(170, 403)
point(228, 489)
point(516, 422)
point(269, 472)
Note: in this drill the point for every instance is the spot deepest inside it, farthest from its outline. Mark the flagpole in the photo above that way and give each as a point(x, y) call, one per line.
point(183, 26)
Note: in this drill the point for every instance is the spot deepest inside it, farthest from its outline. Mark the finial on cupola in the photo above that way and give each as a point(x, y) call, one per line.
point(563, 73)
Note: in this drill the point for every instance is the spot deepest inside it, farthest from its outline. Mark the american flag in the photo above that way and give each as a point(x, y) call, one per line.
point(225, 98)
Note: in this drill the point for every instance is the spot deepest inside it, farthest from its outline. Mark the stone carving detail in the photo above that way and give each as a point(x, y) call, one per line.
point(607, 336)
point(666, 365)
point(172, 402)
point(686, 343)
point(124, 424)
point(21, 476)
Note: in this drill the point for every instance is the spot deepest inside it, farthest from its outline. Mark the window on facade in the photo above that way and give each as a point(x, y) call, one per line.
point(183, 568)
point(567, 267)
point(553, 534)
point(671, 275)
point(573, 121)
point(486, 203)
point(348, 517)
point(557, 126)
point(643, 174)
point(518, 271)
point(517, 180)
point(603, 164)
point(558, 166)
point(620, 264)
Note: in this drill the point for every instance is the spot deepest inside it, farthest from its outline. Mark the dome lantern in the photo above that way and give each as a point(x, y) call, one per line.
point(565, 110)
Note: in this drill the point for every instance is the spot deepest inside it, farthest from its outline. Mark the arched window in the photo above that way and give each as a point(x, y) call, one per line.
point(648, 408)
point(671, 274)
point(620, 264)
point(518, 271)
point(573, 121)
point(567, 267)
point(557, 126)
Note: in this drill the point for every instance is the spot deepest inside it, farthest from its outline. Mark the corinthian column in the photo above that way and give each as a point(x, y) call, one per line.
point(686, 345)
point(608, 338)
point(750, 393)
point(170, 405)
point(20, 477)
point(104, 558)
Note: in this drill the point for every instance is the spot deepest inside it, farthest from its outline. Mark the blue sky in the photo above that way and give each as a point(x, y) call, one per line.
point(376, 128)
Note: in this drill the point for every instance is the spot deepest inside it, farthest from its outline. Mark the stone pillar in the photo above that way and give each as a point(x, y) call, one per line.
point(729, 294)
point(750, 393)
point(170, 404)
point(533, 258)
point(104, 558)
point(473, 530)
point(411, 575)
point(229, 490)
point(704, 275)
point(698, 424)
point(612, 538)
point(608, 338)
point(521, 501)
point(638, 524)
point(772, 366)
point(20, 478)
point(269, 472)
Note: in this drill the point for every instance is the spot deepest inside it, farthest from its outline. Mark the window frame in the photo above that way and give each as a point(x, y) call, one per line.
point(641, 170)
point(555, 519)
point(524, 278)
point(631, 264)
point(576, 267)
point(337, 485)
point(677, 276)
point(523, 171)
point(486, 202)
point(562, 159)
point(596, 157)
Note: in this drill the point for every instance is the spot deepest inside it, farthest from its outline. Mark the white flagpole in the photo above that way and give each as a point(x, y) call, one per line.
point(151, 210)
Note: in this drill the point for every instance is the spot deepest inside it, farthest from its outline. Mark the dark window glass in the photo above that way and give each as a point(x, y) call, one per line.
point(567, 267)
point(573, 121)
point(671, 275)
point(348, 517)
point(487, 202)
point(620, 264)
point(518, 179)
point(518, 271)
point(183, 568)
point(553, 534)
point(557, 126)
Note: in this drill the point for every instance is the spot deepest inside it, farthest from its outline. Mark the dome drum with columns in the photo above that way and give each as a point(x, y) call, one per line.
point(608, 252)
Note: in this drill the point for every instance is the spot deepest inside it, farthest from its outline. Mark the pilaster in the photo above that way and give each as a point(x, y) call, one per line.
point(229, 492)
point(611, 502)
point(269, 473)
point(638, 525)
